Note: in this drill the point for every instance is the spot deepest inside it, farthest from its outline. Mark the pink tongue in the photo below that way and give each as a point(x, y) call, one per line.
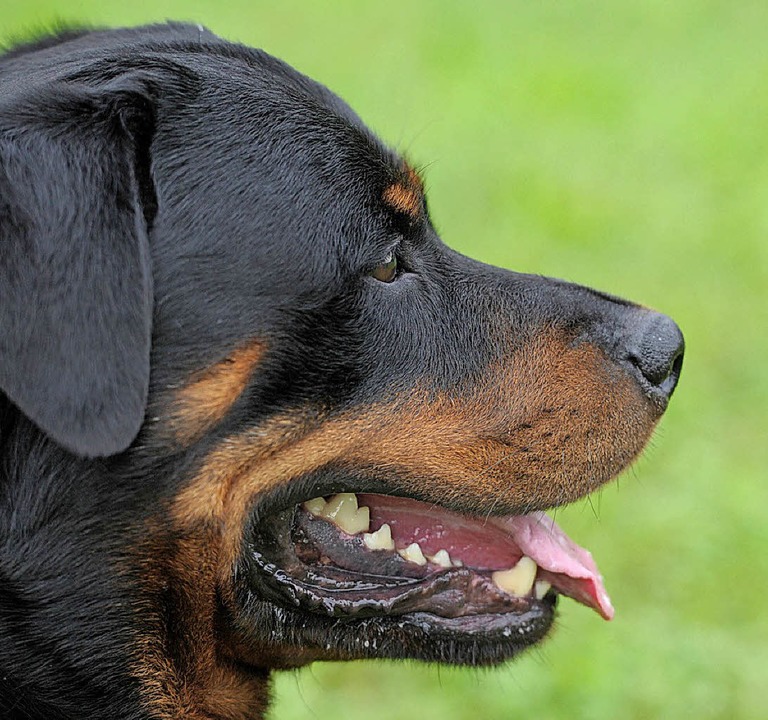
point(569, 567)
point(495, 544)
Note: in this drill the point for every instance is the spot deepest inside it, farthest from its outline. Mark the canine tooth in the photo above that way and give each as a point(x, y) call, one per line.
point(441, 558)
point(379, 540)
point(519, 579)
point(413, 554)
point(541, 588)
point(342, 510)
point(315, 506)
point(457, 563)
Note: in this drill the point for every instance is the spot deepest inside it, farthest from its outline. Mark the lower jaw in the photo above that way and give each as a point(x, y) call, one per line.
point(291, 637)
point(295, 617)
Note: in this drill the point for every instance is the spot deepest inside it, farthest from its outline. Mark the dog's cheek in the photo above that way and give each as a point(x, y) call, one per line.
point(569, 420)
point(182, 658)
point(544, 426)
point(188, 657)
point(541, 429)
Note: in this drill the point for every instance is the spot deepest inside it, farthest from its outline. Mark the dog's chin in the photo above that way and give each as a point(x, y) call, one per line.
point(349, 576)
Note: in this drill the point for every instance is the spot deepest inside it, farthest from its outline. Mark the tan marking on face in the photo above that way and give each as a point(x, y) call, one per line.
point(403, 200)
point(543, 428)
point(182, 659)
point(406, 195)
point(207, 397)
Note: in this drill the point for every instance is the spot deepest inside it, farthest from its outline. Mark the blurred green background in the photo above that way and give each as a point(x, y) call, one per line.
point(622, 145)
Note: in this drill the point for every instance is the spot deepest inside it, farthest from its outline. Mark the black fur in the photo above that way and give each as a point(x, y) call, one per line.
point(165, 197)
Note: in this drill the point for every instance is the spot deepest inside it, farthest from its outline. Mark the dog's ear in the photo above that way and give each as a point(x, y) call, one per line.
point(75, 277)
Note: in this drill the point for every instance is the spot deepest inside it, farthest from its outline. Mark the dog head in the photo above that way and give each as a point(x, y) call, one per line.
point(254, 413)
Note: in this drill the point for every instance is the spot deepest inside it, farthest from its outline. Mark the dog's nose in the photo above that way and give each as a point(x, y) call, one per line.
point(656, 351)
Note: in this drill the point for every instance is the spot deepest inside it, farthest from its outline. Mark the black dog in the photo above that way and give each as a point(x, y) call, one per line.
point(253, 413)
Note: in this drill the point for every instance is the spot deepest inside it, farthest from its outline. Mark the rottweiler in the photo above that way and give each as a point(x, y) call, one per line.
point(253, 412)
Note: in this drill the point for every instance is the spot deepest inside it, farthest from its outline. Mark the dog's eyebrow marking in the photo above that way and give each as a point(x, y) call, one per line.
point(406, 194)
point(209, 394)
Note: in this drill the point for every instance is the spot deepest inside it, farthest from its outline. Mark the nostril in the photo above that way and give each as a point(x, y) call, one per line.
point(658, 353)
point(669, 383)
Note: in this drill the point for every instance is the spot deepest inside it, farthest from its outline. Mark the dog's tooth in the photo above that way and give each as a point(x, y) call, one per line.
point(342, 503)
point(361, 522)
point(441, 558)
point(342, 510)
point(413, 554)
point(519, 579)
point(541, 588)
point(315, 506)
point(379, 540)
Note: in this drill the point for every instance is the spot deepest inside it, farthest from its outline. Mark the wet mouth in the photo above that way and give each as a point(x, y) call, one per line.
point(356, 557)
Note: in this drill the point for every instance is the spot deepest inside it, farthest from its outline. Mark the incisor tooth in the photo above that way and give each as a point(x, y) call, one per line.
point(342, 510)
point(519, 579)
point(541, 588)
point(379, 540)
point(413, 554)
point(441, 558)
point(315, 506)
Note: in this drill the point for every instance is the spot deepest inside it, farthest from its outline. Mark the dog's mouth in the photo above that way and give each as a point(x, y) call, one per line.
point(378, 561)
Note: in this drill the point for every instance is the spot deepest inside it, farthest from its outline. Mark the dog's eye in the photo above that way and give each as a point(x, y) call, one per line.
point(387, 271)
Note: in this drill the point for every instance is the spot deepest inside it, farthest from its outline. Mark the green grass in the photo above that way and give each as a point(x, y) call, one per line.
point(625, 146)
